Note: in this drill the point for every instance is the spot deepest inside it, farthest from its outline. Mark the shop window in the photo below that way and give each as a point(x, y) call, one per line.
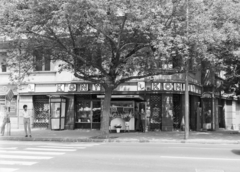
point(42, 61)
point(41, 112)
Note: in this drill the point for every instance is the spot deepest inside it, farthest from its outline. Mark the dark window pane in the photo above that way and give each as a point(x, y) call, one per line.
point(47, 63)
point(39, 61)
point(4, 68)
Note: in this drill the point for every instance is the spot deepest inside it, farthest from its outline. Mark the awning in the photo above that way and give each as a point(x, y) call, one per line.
point(122, 97)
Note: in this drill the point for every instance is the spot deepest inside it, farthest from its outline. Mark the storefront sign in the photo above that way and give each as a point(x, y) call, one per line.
point(168, 86)
point(156, 86)
point(3, 89)
point(83, 87)
point(141, 86)
point(71, 87)
point(96, 87)
point(177, 86)
point(126, 88)
point(60, 87)
point(31, 87)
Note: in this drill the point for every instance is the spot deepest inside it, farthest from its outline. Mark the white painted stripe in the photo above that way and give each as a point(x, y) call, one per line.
point(201, 148)
point(8, 148)
point(24, 157)
point(8, 169)
point(60, 147)
point(43, 149)
point(86, 145)
point(16, 162)
point(32, 152)
point(200, 158)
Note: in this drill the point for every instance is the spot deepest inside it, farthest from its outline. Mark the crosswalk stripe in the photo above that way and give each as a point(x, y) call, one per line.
point(8, 148)
point(33, 152)
point(24, 157)
point(61, 147)
point(17, 162)
point(43, 149)
point(8, 169)
point(79, 145)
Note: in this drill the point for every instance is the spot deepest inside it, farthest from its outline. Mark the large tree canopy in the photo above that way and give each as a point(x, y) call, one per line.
point(112, 41)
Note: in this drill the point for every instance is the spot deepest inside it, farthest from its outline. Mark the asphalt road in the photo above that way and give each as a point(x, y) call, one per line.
point(117, 157)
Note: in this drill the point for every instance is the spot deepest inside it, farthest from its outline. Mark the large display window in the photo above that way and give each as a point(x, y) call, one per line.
point(122, 114)
point(88, 114)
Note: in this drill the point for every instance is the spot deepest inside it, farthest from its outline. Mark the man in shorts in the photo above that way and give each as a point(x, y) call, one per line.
point(26, 121)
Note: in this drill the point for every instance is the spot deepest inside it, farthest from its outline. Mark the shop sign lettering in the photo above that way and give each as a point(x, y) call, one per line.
point(177, 86)
point(60, 87)
point(3, 89)
point(31, 87)
point(83, 87)
point(96, 87)
point(141, 86)
point(72, 87)
point(156, 86)
point(168, 86)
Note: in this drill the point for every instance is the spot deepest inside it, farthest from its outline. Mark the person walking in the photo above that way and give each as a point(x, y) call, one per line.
point(143, 120)
point(26, 121)
point(6, 119)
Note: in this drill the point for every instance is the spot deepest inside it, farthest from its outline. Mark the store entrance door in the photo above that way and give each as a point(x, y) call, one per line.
point(156, 109)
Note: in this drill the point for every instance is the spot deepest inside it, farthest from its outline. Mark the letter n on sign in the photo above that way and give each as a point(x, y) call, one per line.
point(83, 87)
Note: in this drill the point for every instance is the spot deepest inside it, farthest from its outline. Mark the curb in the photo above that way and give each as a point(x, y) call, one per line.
point(202, 141)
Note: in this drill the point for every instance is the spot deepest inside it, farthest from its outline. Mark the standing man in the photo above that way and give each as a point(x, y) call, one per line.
point(26, 121)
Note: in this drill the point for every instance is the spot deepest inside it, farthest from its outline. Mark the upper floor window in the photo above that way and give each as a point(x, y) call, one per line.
point(3, 67)
point(42, 61)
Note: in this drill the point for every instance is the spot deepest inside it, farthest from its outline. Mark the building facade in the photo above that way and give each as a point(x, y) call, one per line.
point(51, 95)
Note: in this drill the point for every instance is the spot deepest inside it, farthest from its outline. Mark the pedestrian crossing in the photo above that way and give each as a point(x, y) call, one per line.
point(17, 157)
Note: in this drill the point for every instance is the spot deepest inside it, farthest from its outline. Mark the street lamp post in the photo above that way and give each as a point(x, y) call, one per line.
point(186, 133)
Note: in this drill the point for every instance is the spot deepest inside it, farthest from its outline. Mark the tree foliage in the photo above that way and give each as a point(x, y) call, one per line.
point(113, 41)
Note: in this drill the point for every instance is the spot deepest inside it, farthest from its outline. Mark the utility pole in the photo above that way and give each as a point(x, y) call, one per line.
point(186, 133)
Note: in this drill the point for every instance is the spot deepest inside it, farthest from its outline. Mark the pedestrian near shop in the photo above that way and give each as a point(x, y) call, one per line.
point(26, 121)
point(143, 120)
point(6, 120)
point(137, 119)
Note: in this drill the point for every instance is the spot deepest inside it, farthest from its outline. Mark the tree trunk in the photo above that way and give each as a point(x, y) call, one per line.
point(106, 112)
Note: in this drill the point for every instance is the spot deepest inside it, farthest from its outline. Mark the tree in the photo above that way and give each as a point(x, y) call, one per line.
point(109, 41)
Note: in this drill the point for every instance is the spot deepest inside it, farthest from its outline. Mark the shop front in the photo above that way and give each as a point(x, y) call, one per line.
point(161, 101)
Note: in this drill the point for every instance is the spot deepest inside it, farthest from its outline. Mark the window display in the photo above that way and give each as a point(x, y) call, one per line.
point(83, 112)
point(122, 113)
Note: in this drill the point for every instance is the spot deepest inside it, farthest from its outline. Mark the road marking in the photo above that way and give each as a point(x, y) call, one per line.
point(8, 169)
point(208, 170)
point(33, 152)
point(17, 162)
point(43, 149)
point(8, 148)
point(199, 158)
point(175, 147)
point(61, 147)
point(24, 157)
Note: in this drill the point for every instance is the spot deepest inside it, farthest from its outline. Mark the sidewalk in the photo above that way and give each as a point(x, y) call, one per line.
point(210, 137)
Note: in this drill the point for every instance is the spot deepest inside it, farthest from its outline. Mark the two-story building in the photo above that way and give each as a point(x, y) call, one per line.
point(50, 94)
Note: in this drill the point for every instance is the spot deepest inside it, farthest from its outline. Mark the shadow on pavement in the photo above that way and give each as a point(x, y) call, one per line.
point(236, 151)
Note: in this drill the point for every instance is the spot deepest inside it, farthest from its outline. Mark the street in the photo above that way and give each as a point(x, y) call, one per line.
point(95, 157)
